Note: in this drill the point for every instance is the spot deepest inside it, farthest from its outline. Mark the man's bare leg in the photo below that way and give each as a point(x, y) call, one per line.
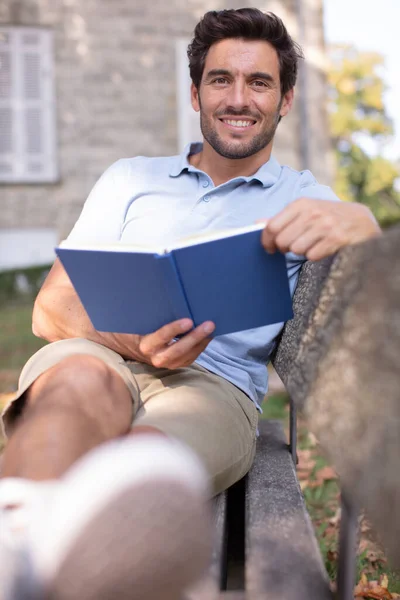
point(70, 409)
point(80, 534)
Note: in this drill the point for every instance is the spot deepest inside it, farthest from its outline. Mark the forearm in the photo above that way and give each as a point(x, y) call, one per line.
point(58, 314)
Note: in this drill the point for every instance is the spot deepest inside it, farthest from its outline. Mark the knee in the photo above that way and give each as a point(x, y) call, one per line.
point(84, 382)
point(81, 372)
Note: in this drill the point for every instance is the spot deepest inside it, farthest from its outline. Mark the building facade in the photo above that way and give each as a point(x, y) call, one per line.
point(85, 82)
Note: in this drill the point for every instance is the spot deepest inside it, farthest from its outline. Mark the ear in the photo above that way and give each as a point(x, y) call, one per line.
point(194, 97)
point(287, 103)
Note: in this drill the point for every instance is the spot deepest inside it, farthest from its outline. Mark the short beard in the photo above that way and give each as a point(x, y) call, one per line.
point(232, 151)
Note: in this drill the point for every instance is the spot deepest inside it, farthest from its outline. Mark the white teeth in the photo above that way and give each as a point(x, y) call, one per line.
point(238, 123)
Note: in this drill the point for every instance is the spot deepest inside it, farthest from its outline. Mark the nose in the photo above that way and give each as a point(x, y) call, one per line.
point(238, 96)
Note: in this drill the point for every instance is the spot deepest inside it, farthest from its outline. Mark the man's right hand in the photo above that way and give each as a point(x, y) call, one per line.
point(161, 350)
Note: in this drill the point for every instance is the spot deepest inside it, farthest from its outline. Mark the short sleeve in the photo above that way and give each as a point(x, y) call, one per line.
point(103, 213)
point(307, 187)
point(310, 188)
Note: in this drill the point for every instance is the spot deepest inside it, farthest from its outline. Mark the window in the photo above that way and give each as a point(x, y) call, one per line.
point(188, 120)
point(27, 106)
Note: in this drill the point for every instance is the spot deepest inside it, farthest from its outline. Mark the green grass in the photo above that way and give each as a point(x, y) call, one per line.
point(276, 407)
point(17, 342)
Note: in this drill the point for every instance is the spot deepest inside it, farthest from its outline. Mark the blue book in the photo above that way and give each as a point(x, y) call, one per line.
point(227, 278)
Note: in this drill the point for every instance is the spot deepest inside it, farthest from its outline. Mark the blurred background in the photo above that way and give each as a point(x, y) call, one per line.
point(86, 82)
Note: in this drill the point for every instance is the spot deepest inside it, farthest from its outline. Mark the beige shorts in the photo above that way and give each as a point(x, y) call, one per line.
point(208, 413)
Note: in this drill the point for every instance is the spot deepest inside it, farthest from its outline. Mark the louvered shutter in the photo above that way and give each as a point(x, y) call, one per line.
point(188, 120)
point(27, 106)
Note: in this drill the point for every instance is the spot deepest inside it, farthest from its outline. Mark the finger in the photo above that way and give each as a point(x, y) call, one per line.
point(154, 342)
point(323, 249)
point(294, 231)
point(176, 353)
point(307, 240)
point(275, 226)
point(287, 215)
point(190, 357)
point(268, 240)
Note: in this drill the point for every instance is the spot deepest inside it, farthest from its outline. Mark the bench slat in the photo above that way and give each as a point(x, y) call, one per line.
point(282, 555)
point(209, 586)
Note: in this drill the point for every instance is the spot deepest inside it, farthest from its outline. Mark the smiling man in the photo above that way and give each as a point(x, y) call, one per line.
point(240, 102)
point(190, 406)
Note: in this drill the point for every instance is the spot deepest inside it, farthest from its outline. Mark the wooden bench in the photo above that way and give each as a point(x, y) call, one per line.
point(265, 546)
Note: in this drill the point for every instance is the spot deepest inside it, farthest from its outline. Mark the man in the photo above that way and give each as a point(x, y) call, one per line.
point(190, 405)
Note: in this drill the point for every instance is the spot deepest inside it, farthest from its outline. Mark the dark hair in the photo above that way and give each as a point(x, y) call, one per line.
point(250, 24)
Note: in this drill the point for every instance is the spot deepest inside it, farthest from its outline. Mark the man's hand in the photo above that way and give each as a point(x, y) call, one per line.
point(317, 228)
point(160, 350)
point(59, 315)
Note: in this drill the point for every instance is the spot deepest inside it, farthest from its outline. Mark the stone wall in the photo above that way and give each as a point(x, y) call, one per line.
point(116, 93)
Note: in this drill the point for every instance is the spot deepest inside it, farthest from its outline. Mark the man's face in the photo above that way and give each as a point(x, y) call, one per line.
point(239, 97)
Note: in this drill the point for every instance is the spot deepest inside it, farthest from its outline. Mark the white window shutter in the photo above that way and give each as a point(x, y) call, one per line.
point(188, 119)
point(27, 106)
point(7, 122)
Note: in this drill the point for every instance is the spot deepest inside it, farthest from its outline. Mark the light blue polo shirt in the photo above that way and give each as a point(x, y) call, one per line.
point(158, 200)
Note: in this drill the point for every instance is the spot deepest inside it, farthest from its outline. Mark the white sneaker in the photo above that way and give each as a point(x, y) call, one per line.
point(129, 521)
point(18, 499)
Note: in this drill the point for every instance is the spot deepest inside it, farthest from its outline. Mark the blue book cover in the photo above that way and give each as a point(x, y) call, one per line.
point(225, 278)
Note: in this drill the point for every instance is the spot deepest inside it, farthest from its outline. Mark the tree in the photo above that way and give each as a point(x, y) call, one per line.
point(358, 120)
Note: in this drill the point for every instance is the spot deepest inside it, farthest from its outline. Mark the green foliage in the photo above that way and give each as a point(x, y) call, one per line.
point(276, 407)
point(17, 283)
point(17, 342)
point(357, 111)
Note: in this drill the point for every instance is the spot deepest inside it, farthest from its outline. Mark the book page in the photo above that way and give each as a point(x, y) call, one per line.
point(209, 236)
point(191, 240)
point(115, 247)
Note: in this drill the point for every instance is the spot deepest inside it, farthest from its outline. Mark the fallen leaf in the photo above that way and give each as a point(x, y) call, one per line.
point(373, 556)
point(363, 545)
point(384, 581)
point(301, 475)
point(365, 525)
point(372, 590)
point(313, 484)
point(335, 519)
point(326, 473)
point(312, 440)
point(332, 555)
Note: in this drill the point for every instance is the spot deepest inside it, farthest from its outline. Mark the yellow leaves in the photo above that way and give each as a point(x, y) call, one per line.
point(308, 475)
point(380, 176)
point(356, 92)
point(373, 590)
point(346, 86)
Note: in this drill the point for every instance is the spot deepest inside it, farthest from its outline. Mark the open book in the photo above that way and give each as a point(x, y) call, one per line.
point(225, 277)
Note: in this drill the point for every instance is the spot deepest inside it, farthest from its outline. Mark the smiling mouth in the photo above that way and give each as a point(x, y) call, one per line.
point(238, 123)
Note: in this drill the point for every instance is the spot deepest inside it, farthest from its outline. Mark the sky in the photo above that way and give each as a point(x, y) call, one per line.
point(371, 26)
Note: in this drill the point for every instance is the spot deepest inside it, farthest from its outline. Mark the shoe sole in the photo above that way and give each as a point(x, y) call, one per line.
point(149, 543)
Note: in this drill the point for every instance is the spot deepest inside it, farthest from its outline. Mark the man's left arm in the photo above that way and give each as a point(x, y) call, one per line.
point(318, 228)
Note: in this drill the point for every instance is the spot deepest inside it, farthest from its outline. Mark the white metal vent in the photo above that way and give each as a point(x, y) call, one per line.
point(27, 106)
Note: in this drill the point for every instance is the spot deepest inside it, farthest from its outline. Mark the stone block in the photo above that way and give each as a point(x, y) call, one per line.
point(343, 370)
